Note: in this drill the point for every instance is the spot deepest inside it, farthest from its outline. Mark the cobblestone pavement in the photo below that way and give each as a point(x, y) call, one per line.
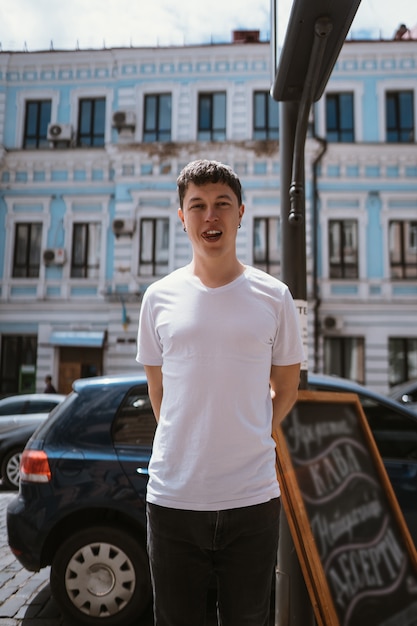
point(25, 597)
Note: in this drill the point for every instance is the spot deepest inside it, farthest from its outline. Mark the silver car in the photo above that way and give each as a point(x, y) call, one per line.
point(20, 415)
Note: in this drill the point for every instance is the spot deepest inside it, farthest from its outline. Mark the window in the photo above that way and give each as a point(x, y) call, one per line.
point(344, 356)
point(37, 118)
point(27, 250)
point(91, 119)
point(339, 117)
point(343, 249)
point(135, 422)
point(212, 116)
point(154, 246)
point(86, 244)
point(403, 249)
point(267, 244)
point(16, 351)
point(402, 359)
point(265, 116)
point(400, 116)
point(157, 118)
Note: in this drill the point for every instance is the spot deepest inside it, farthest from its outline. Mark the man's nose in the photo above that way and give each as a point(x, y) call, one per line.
point(212, 213)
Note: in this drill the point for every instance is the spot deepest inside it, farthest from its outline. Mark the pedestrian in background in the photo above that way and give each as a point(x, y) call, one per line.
point(221, 348)
point(49, 388)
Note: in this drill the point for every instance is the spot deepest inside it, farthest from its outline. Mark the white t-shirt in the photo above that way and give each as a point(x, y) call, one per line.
point(213, 448)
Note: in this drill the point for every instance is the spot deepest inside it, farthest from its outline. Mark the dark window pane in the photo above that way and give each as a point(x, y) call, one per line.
point(154, 246)
point(212, 117)
point(343, 249)
point(27, 250)
point(91, 122)
point(157, 118)
point(38, 116)
point(399, 108)
point(339, 117)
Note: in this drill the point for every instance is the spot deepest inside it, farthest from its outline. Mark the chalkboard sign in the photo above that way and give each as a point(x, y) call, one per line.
point(358, 559)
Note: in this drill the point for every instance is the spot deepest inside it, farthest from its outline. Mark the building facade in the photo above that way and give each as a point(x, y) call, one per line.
point(91, 143)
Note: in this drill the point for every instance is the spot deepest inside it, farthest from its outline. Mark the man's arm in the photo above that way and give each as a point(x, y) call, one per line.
point(155, 389)
point(285, 380)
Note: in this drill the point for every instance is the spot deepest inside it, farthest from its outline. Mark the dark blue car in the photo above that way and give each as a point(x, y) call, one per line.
point(81, 504)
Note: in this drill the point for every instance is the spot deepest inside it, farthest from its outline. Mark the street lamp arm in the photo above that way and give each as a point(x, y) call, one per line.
point(322, 28)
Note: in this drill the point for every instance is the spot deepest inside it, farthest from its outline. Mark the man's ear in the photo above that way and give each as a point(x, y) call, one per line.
point(181, 214)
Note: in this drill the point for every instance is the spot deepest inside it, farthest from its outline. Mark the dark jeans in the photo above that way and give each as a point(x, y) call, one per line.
point(238, 546)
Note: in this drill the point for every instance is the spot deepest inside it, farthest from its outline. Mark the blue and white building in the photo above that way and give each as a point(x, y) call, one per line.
point(91, 143)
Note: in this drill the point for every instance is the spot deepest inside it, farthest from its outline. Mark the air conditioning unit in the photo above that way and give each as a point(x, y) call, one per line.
point(123, 226)
point(333, 322)
point(59, 133)
point(54, 256)
point(124, 120)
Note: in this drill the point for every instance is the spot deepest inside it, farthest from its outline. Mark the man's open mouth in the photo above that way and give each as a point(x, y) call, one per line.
point(212, 235)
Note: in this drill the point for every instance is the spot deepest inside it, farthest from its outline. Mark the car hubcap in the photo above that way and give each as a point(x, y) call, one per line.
point(13, 469)
point(100, 579)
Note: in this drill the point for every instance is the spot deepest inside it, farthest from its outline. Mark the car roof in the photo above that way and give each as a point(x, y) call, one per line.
point(350, 386)
point(117, 379)
point(25, 397)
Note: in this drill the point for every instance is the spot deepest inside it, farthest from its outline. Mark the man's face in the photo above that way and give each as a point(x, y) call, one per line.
point(211, 214)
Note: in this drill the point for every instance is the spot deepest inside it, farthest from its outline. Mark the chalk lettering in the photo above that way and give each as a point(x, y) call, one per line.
point(365, 568)
point(302, 436)
point(328, 532)
point(328, 473)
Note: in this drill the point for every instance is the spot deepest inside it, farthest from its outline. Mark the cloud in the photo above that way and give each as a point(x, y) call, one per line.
point(121, 23)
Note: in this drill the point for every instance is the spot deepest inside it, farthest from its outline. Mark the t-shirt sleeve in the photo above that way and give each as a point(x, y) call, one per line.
point(288, 346)
point(149, 349)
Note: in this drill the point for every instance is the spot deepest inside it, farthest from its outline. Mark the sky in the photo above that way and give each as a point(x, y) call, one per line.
point(70, 24)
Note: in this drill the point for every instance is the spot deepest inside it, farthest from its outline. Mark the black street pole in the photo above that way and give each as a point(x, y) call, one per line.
point(293, 606)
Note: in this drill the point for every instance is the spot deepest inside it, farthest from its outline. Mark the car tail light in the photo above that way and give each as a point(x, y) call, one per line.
point(34, 467)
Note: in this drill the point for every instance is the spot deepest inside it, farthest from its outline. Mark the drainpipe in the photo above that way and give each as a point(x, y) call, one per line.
point(315, 225)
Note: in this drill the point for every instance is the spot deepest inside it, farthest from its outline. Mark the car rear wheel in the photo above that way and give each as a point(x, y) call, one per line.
point(10, 469)
point(101, 576)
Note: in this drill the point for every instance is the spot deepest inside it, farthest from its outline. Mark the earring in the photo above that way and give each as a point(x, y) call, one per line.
point(240, 225)
point(184, 229)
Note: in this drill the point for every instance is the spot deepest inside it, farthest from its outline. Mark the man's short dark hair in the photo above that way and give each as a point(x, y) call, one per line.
point(204, 171)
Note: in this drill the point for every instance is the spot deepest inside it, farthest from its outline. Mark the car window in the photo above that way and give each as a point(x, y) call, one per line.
point(13, 408)
point(135, 422)
point(40, 406)
point(395, 434)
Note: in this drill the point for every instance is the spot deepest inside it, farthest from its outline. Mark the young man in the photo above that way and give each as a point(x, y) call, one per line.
point(221, 349)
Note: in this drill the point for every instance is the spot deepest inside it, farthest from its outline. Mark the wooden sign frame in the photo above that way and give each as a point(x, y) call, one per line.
point(360, 562)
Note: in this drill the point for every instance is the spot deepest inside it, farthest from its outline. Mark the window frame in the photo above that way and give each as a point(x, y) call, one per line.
point(211, 132)
point(158, 134)
point(393, 97)
point(336, 134)
point(407, 369)
point(407, 229)
point(154, 262)
point(87, 270)
point(272, 267)
point(343, 370)
point(343, 265)
point(40, 139)
point(268, 130)
point(35, 273)
point(93, 138)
